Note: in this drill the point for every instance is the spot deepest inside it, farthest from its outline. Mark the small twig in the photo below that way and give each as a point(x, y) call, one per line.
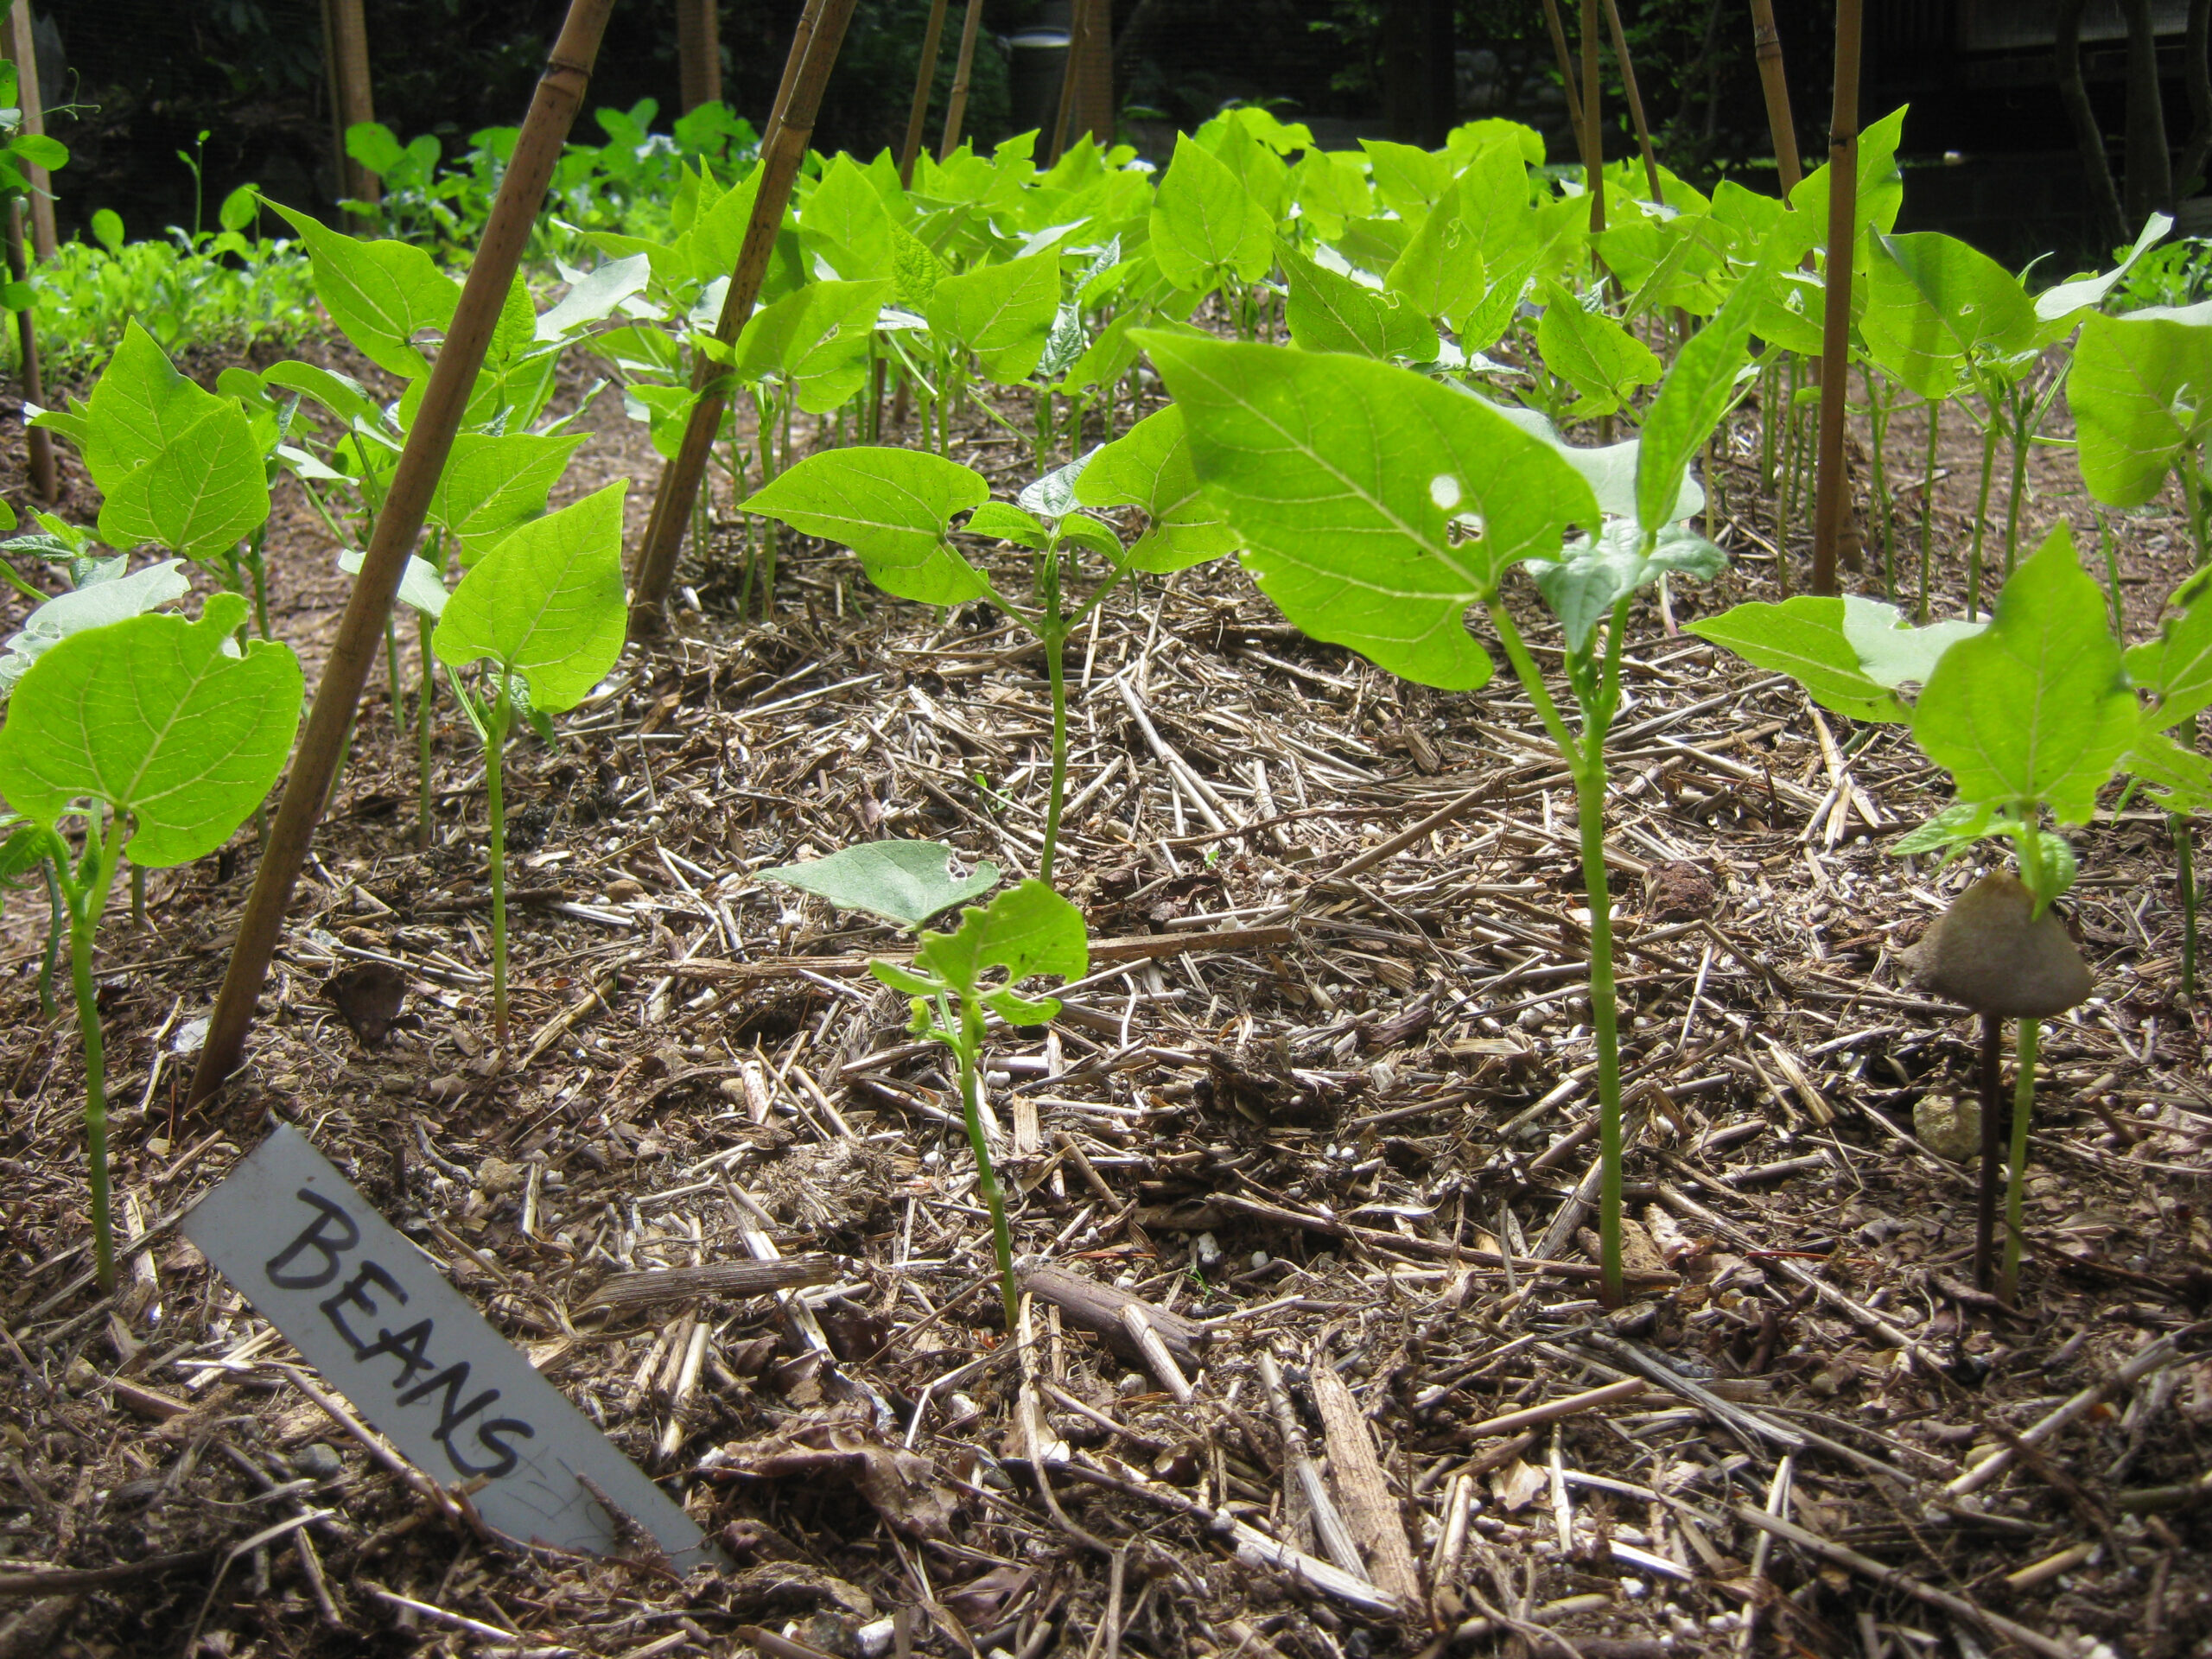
point(1892, 1578)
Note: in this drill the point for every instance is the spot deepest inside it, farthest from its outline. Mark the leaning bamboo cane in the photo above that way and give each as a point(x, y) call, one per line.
point(924, 79)
point(1635, 100)
point(1566, 55)
point(39, 441)
point(1593, 149)
point(1829, 503)
point(955, 109)
point(361, 630)
point(813, 51)
point(1776, 86)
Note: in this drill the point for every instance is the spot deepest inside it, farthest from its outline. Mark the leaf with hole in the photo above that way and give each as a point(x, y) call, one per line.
point(1374, 505)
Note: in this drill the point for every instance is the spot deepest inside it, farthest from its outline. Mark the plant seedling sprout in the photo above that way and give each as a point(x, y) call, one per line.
point(157, 738)
point(1025, 930)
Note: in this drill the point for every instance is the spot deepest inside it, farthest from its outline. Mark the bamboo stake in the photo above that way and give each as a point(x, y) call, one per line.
point(1071, 72)
point(361, 630)
point(1829, 502)
point(346, 53)
point(814, 50)
point(39, 440)
point(1593, 148)
point(698, 54)
point(1566, 55)
point(955, 109)
point(924, 79)
point(24, 51)
point(1635, 100)
point(1776, 84)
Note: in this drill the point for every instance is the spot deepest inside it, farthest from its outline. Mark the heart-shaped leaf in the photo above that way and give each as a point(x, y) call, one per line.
point(157, 718)
point(905, 882)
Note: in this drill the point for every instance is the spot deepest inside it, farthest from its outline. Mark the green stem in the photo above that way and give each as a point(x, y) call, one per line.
point(2185, 879)
point(57, 908)
point(1041, 440)
point(86, 903)
point(2111, 546)
point(1585, 761)
point(1769, 392)
point(425, 696)
point(2023, 435)
point(392, 677)
point(2024, 1101)
point(259, 568)
point(1927, 506)
point(1052, 629)
point(971, 1048)
point(495, 762)
point(1877, 424)
point(1981, 516)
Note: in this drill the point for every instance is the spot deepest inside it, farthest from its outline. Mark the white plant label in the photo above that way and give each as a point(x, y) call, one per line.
point(374, 1315)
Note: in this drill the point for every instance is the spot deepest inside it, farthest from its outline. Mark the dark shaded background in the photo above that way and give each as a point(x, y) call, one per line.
point(149, 76)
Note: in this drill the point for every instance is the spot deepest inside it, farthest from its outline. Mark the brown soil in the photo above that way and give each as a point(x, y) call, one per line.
point(1313, 1140)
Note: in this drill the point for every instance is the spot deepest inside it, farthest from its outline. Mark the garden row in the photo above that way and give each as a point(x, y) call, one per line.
point(1452, 315)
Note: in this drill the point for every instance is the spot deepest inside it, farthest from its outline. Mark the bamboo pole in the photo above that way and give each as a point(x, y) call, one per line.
point(1635, 100)
point(813, 51)
point(361, 630)
point(1776, 84)
point(1566, 55)
point(924, 82)
point(955, 109)
point(1071, 76)
point(345, 56)
point(698, 53)
point(1593, 153)
point(39, 440)
point(24, 51)
point(1830, 503)
point(1094, 97)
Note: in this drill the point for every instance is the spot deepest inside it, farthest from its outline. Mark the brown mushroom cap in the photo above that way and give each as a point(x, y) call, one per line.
point(1991, 952)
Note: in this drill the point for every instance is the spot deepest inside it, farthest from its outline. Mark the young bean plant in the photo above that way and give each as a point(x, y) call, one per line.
point(540, 620)
point(896, 509)
point(1376, 506)
point(149, 739)
point(1025, 930)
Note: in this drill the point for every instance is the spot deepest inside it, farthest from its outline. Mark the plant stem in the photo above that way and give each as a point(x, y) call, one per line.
point(2023, 1102)
point(1585, 761)
point(1052, 628)
point(424, 696)
point(2185, 880)
point(1877, 424)
point(86, 903)
point(1927, 506)
point(57, 907)
point(2112, 575)
point(971, 1048)
point(259, 570)
point(1590, 809)
point(1981, 515)
point(392, 678)
point(495, 745)
point(2023, 435)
